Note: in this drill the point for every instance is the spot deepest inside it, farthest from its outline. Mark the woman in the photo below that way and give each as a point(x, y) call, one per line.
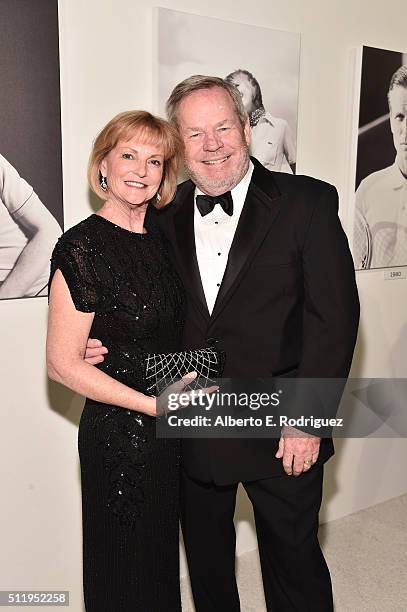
point(111, 278)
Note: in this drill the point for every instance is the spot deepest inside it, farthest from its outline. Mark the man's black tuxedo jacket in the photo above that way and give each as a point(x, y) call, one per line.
point(288, 301)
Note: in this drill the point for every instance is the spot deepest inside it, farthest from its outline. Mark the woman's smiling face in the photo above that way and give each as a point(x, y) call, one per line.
point(134, 170)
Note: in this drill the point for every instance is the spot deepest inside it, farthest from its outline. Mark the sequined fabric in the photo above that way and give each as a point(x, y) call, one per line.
point(127, 280)
point(123, 439)
point(129, 477)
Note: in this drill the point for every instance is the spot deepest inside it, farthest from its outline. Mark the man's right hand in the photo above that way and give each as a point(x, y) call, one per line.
point(95, 351)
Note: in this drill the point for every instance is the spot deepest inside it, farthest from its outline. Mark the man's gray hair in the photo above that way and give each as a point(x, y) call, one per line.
point(198, 82)
point(399, 79)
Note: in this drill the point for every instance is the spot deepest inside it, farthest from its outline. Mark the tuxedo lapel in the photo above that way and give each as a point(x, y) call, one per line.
point(186, 250)
point(260, 209)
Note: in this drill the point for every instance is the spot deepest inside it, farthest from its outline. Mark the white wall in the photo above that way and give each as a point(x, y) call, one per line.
point(106, 65)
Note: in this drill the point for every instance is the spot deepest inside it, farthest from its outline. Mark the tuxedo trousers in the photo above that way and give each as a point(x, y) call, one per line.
point(295, 575)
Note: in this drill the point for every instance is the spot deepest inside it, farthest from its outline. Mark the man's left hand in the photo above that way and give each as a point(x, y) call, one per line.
point(95, 351)
point(298, 450)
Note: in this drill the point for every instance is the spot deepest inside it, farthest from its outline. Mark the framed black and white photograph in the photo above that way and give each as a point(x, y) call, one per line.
point(262, 63)
point(31, 203)
point(378, 184)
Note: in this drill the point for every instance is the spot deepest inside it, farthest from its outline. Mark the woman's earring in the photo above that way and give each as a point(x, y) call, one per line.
point(157, 197)
point(103, 182)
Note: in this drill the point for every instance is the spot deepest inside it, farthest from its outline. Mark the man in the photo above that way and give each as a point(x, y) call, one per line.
point(270, 276)
point(271, 141)
point(380, 230)
point(28, 233)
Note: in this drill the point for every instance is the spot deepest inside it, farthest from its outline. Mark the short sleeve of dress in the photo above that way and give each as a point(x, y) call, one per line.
point(78, 265)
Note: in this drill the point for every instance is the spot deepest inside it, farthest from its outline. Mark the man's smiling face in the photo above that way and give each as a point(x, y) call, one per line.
point(216, 152)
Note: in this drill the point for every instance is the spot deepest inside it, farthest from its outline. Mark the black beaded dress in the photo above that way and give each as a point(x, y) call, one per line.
point(129, 477)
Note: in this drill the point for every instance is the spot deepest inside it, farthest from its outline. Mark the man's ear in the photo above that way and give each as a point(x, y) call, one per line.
point(246, 131)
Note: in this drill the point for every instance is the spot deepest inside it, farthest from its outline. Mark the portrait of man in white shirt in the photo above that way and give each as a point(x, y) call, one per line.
point(380, 226)
point(271, 139)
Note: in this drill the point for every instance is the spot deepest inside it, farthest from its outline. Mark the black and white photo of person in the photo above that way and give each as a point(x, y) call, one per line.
point(271, 139)
point(31, 187)
point(380, 221)
point(263, 63)
point(28, 232)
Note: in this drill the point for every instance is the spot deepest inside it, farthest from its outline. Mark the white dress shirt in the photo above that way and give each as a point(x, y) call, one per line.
point(213, 238)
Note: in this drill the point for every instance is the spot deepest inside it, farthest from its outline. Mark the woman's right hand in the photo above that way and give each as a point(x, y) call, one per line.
point(155, 406)
point(177, 389)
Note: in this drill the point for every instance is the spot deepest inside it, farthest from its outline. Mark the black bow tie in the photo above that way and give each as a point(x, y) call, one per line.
point(206, 203)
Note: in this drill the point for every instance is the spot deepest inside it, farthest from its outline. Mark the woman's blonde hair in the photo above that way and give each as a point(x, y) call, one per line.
point(150, 129)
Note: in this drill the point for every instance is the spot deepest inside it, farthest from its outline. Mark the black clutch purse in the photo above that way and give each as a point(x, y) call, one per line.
point(163, 369)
